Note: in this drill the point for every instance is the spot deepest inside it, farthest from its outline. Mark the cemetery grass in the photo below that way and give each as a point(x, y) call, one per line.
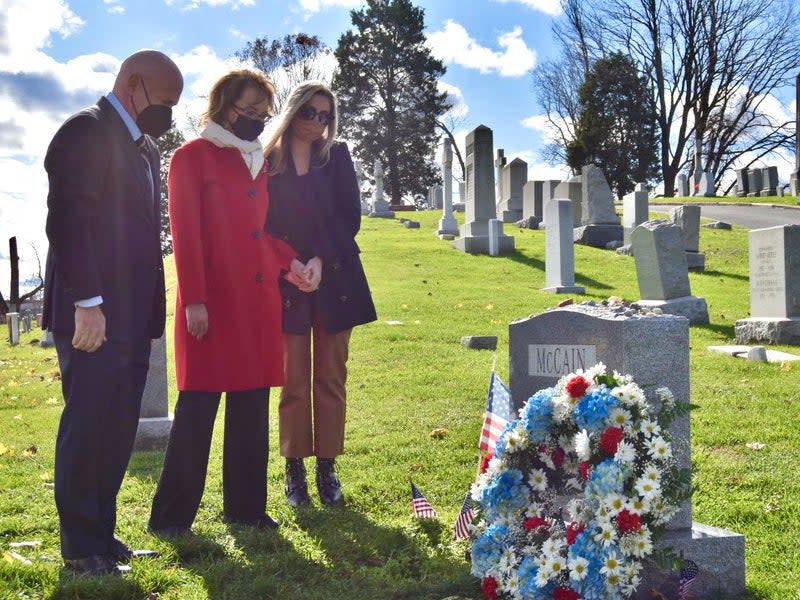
point(416, 399)
point(778, 200)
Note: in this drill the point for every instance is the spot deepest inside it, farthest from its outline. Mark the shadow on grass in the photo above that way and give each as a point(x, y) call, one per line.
point(107, 587)
point(728, 331)
point(530, 261)
point(146, 465)
point(714, 273)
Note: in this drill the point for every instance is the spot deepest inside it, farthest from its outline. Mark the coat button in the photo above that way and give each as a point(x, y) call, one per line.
point(252, 192)
point(287, 303)
point(259, 277)
point(337, 266)
point(343, 298)
point(256, 234)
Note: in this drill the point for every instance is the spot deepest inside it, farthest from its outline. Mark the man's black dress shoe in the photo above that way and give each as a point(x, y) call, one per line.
point(121, 553)
point(296, 485)
point(328, 485)
point(93, 565)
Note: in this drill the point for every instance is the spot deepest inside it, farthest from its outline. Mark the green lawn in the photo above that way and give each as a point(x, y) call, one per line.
point(785, 200)
point(406, 380)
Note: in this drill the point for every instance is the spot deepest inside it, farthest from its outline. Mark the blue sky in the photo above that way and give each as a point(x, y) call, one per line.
point(57, 56)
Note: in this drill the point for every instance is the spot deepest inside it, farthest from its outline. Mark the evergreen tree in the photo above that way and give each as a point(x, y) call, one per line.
point(167, 144)
point(389, 102)
point(617, 125)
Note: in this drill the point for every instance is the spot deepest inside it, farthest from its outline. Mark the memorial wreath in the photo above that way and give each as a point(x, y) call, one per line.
point(577, 490)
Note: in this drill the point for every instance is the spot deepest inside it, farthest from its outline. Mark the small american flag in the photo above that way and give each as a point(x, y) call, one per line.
point(465, 517)
point(688, 575)
point(498, 413)
point(422, 508)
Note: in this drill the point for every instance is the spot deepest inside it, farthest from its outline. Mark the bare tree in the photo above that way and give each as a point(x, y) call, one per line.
point(713, 66)
point(289, 61)
point(38, 275)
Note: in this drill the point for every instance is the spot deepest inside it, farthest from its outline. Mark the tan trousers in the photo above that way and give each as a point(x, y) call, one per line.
point(314, 427)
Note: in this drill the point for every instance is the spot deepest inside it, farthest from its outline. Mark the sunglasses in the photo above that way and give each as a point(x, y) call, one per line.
point(252, 115)
point(309, 113)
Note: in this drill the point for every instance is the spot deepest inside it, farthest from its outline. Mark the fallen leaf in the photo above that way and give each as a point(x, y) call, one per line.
point(11, 557)
point(31, 544)
point(786, 365)
point(52, 401)
point(440, 432)
point(30, 451)
point(416, 466)
point(490, 307)
point(4, 449)
point(755, 445)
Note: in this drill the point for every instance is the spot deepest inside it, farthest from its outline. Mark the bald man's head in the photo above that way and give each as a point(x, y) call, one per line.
point(148, 78)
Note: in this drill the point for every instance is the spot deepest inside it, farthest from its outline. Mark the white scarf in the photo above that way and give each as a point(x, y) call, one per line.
point(252, 152)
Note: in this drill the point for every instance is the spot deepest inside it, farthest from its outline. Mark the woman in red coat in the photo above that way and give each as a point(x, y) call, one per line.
point(228, 315)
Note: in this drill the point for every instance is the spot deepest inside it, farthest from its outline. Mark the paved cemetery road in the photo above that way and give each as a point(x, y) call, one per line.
point(751, 217)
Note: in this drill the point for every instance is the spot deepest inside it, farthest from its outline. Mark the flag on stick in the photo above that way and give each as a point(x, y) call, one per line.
point(422, 508)
point(498, 413)
point(688, 575)
point(465, 517)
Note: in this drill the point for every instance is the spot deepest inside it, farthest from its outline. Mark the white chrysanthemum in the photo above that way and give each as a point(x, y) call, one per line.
point(622, 379)
point(612, 565)
point(583, 447)
point(533, 510)
point(575, 509)
point(508, 561)
point(552, 547)
point(592, 372)
point(511, 585)
point(619, 417)
point(542, 577)
point(613, 581)
point(642, 543)
point(606, 536)
point(631, 585)
point(647, 488)
point(625, 454)
point(650, 428)
point(666, 397)
point(614, 503)
point(659, 448)
point(562, 407)
point(637, 506)
point(627, 543)
point(547, 460)
point(603, 515)
point(566, 442)
point(554, 566)
point(578, 568)
point(652, 472)
point(537, 479)
point(517, 439)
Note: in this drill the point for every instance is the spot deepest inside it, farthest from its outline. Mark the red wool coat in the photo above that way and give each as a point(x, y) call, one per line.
point(227, 261)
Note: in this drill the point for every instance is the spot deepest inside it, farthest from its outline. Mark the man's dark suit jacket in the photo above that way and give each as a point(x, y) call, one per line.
point(103, 225)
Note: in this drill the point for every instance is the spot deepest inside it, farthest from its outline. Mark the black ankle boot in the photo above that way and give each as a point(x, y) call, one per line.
point(330, 489)
point(296, 485)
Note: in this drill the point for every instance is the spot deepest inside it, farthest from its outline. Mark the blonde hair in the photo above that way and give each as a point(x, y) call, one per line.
point(278, 137)
point(230, 87)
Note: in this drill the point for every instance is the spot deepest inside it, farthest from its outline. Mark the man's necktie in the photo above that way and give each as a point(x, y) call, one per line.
point(145, 154)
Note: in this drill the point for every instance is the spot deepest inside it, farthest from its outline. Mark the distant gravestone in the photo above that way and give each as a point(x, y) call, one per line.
point(794, 187)
point(479, 206)
point(499, 163)
point(754, 182)
point(742, 183)
point(559, 254)
point(654, 350)
point(599, 221)
point(380, 207)
point(769, 181)
point(47, 340)
point(774, 287)
point(26, 324)
point(532, 207)
point(514, 176)
point(572, 190)
point(359, 169)
point(687, 217)
point(447, 224)
point(683, 185)
point(155, 421)
point(635, 210)
point(12, 318)
point(435, 196)
point(706, 186)
point(548, 193)
point(662, 272)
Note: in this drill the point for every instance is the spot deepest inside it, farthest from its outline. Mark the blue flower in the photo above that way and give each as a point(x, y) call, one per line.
point(607, 478)
point(487, 549)
point(537, 414)
point(593, 586)
point(504, 494)
point(500, 444)
point(593, 409)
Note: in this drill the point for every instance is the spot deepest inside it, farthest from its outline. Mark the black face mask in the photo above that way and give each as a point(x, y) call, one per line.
point(156, 119)
point(246, 128)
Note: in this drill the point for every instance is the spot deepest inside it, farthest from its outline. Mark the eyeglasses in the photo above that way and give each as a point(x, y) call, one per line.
point(309, 113)
point(252, 115)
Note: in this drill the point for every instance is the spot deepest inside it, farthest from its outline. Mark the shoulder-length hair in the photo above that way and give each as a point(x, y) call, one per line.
point(229, 88)
point(278, 139)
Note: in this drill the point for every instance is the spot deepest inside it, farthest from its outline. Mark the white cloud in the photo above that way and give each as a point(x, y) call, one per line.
point(548, 7)
point(238, 33)
point(192, 4)
point(114, 7)
point(453, 44)
point(309, 7)
point(455, 97)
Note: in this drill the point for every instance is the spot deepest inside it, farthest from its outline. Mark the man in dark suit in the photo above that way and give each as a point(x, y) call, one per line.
point(104, 294)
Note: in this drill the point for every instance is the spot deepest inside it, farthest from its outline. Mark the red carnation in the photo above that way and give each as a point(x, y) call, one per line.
point(573, 529)
point(584, 468)
point(577, 386)
point(558, 457)
point(485, 461)
point(610, 439)
point(534, 523)
point(628, 522)
point(489, 587)
point(565, 593)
